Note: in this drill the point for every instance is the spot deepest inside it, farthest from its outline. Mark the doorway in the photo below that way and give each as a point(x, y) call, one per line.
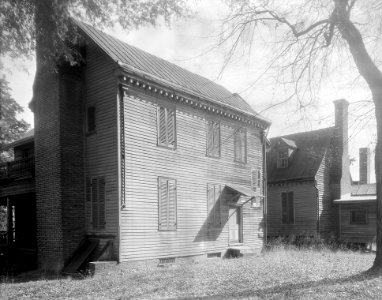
point(235, 225)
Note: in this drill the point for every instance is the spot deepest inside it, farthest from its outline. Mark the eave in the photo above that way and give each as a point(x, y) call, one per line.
point(132, 77)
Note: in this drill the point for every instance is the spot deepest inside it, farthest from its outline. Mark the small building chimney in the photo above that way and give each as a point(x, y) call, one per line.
point(364, 165)
point(341, 168)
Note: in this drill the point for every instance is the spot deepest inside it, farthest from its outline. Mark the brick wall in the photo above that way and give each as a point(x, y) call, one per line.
point(364, 165)
point(59, 167)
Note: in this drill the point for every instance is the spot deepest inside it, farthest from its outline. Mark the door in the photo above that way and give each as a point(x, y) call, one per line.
point(235, 225)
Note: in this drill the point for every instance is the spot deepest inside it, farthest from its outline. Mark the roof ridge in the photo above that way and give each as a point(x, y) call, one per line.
point(170, 71)
point(302, 132)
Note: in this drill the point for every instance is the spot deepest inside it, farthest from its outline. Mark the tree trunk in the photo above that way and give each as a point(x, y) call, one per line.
point(373, 77)
point(377, 266)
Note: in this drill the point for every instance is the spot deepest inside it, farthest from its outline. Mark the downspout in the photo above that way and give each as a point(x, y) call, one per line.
point(265, 186)
point(318, 209)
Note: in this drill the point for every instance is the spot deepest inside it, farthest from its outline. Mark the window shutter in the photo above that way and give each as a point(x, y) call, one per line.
point(210, 203)
point(210, 138)
point(171, 204)
point(284, 200)
point(94, 196)
point(216, 137)
point(243, 146)
point(101, 202)
point(171, 127)
point(291, 207)
point(88, 190)
point(217, 214)
point(161, 115)
point(163, 204)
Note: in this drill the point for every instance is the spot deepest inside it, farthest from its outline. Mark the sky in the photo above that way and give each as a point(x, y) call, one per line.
point(192, 44)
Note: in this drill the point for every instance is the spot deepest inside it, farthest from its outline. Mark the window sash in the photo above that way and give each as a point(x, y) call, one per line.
point(282, 159)
point(167, 204)
point(358, 217)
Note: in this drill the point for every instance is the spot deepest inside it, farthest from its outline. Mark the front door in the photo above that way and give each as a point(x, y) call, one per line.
point(235, 224)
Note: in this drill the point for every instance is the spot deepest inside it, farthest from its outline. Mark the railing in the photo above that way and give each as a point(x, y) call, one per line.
point(17, 168)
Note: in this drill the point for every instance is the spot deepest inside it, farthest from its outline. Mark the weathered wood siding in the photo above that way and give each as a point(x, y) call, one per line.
point(327, 209)
point(189, 165)
point(102, 145)
point(305, 209)
point(357, 233)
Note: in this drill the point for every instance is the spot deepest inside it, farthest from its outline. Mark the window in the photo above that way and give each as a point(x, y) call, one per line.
point(213, 204)
point(256, 179)
point(282, 158)
point(90, 118)
point(213, 139)
point(167, 204)
point(358, 217)
point(287, 208)
point(166, 127)
point(241, 145)
point(96, 195)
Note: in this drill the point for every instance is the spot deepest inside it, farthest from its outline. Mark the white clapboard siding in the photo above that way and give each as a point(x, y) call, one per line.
point(102, 146)
point(188, 164)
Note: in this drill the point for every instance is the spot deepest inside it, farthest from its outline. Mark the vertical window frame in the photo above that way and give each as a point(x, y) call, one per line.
point(167, 226)
point(354, 221)
point(282, 158)
point(167, 144)
point(240, 136)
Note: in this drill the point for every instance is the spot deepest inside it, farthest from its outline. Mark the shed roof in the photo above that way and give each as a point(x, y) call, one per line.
point(123, 53)
point(364, 189)
point(305, 160)
point(26, 138)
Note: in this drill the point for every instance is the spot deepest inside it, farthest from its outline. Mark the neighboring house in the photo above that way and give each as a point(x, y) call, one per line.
point(144, 159)
point(358, 210)
point(306, 171)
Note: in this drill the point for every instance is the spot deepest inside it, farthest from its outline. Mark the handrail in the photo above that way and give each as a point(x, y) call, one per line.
point(17, 168)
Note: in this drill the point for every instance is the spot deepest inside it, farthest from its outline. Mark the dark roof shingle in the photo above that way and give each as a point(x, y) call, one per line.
point(305, 160)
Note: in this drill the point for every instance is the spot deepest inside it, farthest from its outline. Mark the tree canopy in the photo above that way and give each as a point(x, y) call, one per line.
point(23, 21)
point(11, 128)
point(310, 40)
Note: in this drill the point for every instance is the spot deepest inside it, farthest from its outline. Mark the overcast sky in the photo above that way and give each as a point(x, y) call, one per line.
point(191, 43)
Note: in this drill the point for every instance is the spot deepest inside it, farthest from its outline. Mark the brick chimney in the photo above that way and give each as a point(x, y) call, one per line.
point(340, 167)
point(364, 165)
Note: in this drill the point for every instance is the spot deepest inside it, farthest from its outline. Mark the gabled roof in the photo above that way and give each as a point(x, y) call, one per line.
point(305, 160)
point(148, 64)
point(288, 143)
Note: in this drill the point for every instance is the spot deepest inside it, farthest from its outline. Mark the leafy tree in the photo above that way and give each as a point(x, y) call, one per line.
point(308, 36)
point(11, 128)
point(46, 23)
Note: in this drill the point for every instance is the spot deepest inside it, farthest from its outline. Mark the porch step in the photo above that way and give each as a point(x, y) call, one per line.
point(82, 253)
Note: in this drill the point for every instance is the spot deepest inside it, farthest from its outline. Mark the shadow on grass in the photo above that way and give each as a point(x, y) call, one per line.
point(37, 275)
point(287, 289)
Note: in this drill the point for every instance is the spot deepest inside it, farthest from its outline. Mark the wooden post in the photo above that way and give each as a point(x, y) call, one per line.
point(9, 222)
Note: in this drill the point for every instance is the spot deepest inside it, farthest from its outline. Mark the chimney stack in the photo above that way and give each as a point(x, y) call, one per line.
point(364, 165)
point(341, 168)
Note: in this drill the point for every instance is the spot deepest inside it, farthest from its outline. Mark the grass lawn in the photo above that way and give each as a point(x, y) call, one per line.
point(273, 275)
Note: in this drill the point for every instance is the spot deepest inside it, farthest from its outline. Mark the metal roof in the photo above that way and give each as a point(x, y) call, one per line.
point(363, 189)
point(123, 53)
point(354, 199)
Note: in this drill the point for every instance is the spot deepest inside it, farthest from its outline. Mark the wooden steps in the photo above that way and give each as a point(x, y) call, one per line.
point(82, 253)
